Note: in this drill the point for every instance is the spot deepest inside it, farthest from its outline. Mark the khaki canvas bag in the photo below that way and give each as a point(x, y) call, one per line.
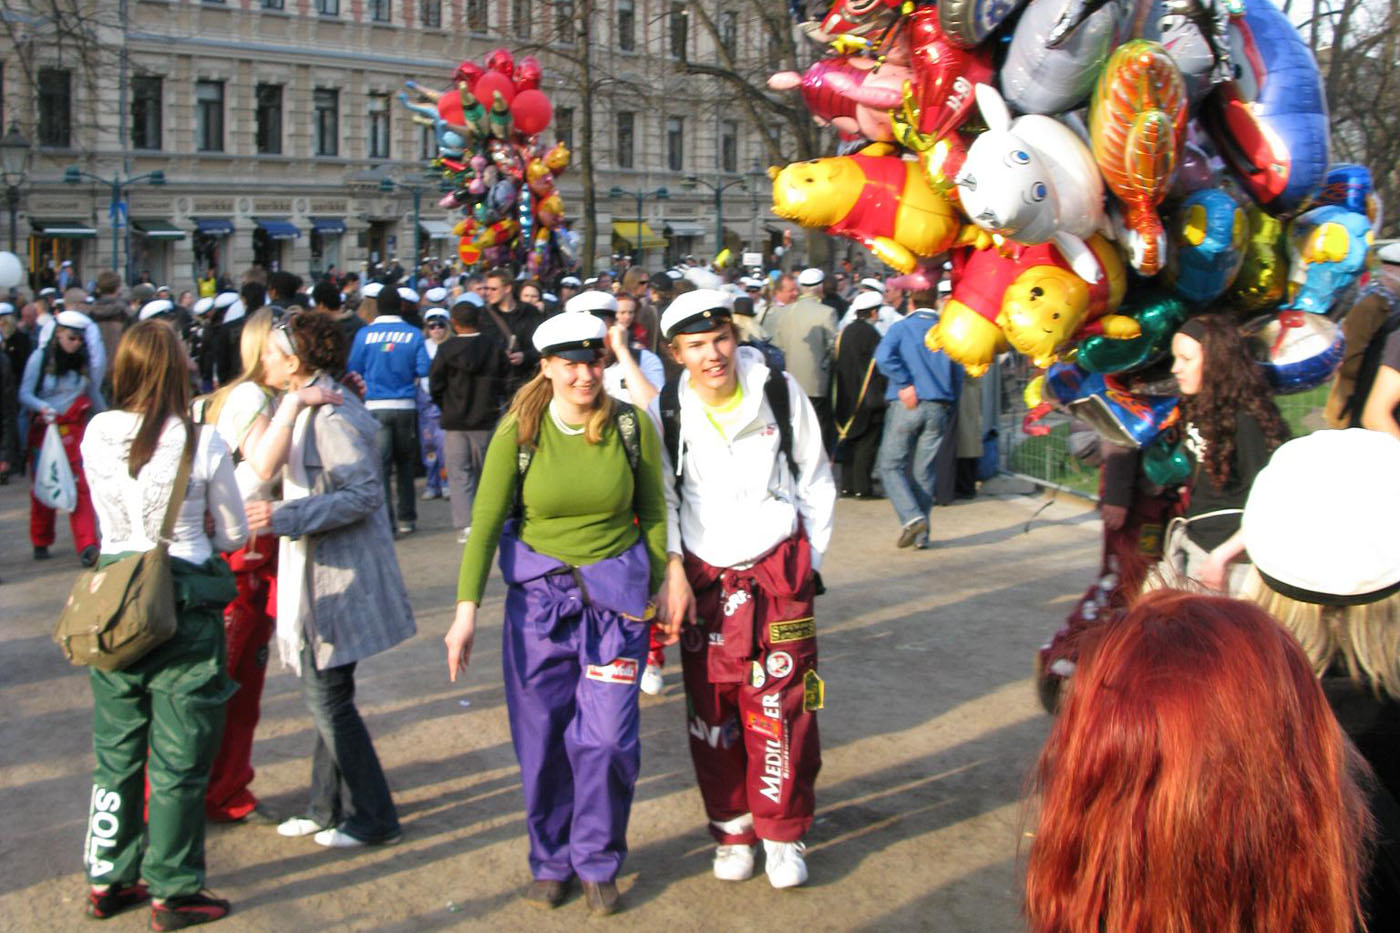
point(116, 614)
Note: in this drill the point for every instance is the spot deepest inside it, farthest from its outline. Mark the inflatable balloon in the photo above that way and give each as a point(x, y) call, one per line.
point(1036, 78)
point(1047, 305)
point(944, 74)
point(1296, 351)
point(1263, 275)
point(1207, 240)
point(856, 17)
point(1270, 122)
point(1165, 462)
point(968, 22)
point(1194, 172)
point(531, 111)
point(1350, 186)
point(1032, 181)
point(1157, 314)
point(875, 198)
point(1137, 122)
point(491, 84)
point(11, 270)
point(851, 93)
point(1121, 417)
point(1327, 247)
point(966, 329)
point(1196, 34)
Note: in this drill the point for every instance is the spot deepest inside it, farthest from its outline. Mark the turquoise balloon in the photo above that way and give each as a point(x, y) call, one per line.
point(1158, 315)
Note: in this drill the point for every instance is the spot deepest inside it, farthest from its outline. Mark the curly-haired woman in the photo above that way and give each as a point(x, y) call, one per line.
point(340, 596)
point(1231, 427)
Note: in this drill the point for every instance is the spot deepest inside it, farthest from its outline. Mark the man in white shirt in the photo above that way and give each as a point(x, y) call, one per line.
point(750, 517)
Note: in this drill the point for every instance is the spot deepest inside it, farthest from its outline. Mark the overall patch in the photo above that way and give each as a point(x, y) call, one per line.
point(756, 676)
point(764, 725)
point(813, 692)
point(792, 630)
point(692, 639)
point(779, 664)
point(621, 671)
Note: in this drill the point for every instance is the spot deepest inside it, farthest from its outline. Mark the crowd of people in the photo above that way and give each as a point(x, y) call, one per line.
point(654, 460)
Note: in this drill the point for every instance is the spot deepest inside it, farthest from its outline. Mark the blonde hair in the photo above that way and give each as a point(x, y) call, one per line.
point(529, 404)
point(250, 346)
point(1365, 638)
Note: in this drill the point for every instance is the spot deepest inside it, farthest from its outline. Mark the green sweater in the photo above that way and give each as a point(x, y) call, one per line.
point(578, 504)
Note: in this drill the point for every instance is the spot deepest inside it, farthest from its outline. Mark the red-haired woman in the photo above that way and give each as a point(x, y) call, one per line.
point(1232, 426)
point(1196, 780)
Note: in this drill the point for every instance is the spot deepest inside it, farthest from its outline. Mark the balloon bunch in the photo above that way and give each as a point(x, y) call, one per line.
point(1099, 170)
point(487, 126)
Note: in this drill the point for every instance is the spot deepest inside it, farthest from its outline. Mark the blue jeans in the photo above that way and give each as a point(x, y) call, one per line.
point(398, 453)
point(907, 451)
point(348, 788)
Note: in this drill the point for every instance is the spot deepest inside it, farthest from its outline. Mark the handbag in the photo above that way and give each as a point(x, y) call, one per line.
point(117, 614)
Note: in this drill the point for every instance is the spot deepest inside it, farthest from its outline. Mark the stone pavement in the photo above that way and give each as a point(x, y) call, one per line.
point(930, 727)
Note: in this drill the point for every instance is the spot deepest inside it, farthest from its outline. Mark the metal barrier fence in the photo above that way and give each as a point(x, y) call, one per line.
point(1046, 459)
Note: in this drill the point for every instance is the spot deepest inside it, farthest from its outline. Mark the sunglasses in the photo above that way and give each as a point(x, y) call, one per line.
point(289, 337)
point(435, 325)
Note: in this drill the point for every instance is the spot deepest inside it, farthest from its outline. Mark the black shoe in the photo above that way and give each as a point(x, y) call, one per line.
point(602, 897)
point(188, 910)
point(41, 552)
point(547, 893)
point(89, 556)
point(114, 900)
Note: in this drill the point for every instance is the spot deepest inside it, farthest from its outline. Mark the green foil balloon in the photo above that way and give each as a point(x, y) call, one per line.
point(1164, 461)
point(1158, 315)
point(1263, 276)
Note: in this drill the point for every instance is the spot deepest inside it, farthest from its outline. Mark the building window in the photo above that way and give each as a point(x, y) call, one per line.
point(328, 7)
point(55, 118)
point(145, 112)
point(729, 31)
point(675, 143)
point(209, 116)
point(564, 126)
point(478, 15)
point(625, 122)
point(427, 143)
point(326, 131)
point(432, 13)
point(379, 126)
point(272, 4)
point(269, 119)
point(729, 146)
point(680, 23)
point(379, 10)
point(520, 18)
point(626, 25)
point(565, 28)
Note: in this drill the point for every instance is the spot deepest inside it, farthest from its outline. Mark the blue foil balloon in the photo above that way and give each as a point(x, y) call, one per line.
point(1121, 417)
point(1296, 351)
point(1327, 249)
point(1206, 245)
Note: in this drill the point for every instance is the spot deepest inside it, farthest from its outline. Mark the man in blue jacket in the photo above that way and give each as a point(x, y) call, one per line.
point(391, 356)
point(923, 387)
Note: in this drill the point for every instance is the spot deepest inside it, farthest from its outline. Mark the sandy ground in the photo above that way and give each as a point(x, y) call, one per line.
point(930, 727)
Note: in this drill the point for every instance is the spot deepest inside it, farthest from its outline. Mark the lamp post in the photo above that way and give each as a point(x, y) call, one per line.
point(719, 188)
point(387, 185)
point(15, 154)
point(116, 208)
point(661, 194)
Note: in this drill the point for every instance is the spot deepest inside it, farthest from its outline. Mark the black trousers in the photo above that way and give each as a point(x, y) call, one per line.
point(858, 464)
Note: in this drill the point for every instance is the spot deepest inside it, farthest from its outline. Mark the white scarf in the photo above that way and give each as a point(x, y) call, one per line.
point(294, 606)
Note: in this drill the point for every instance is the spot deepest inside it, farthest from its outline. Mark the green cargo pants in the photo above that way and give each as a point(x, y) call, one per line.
point(160, 720)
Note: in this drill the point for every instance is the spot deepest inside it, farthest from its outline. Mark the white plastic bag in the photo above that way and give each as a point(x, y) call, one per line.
point(54, 485)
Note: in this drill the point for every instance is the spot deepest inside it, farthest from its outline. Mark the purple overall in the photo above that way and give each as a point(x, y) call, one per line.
point(572, 660)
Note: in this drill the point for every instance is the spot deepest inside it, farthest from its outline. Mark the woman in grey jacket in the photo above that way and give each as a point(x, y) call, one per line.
point(342, 599)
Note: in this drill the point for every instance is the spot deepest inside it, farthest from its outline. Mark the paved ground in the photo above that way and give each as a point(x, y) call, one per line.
point(930, 727)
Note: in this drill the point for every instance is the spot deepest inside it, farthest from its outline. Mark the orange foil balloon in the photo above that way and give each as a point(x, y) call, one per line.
point(1137, 121)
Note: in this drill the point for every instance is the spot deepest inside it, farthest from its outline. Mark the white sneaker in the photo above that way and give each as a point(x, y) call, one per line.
point(431, 494)
point(298, 826)
point(784, 863)
point(734, 863)
point(462, 535)
point(653, 682)
point(335, 839)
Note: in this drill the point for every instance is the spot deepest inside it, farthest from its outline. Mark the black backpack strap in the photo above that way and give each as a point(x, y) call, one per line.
point(670, 403)
point(523, 457)
point(625, 420)
point(775, 389)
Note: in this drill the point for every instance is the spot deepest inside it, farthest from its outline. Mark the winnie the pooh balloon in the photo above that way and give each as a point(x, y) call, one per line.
point(1033, 181)
point(877, 199)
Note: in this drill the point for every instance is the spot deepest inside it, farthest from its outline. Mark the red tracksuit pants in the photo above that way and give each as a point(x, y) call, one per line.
point(82, 521)
point(248, 624)
point(750, 676)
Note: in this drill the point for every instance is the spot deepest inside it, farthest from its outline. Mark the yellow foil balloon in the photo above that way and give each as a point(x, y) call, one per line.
point(1263, 275)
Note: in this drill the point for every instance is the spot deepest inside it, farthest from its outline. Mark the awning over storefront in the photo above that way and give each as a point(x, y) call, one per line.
point(154, 229)
point(328, 226)
point(214, 226)
point(277, 229)
point(436, 229)
point(781, 226)
point(64, 229)
point(627, 230)
point(684, 228)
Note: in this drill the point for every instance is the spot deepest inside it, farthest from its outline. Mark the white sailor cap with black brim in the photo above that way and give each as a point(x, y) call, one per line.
point(435, 295)
point(576, 337)
point(224, 299)
point(372, 290)
point(156, 308)
point(570, 281)
point(602, 304)
point(697, 312)
point(435, 313)
point(73, 320)
point(204, 305)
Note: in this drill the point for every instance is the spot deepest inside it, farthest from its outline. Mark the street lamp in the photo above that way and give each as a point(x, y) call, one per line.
point(14, 159)
point(387, 185)
point(718, 187)
point(661, 194)
point(116, 208)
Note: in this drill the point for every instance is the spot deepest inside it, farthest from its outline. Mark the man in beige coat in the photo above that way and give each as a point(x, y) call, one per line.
point(806, 333)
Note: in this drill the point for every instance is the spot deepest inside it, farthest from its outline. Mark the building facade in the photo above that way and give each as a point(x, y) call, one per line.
point(274, 129)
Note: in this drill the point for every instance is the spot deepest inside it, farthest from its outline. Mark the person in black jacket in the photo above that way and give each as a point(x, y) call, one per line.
point(512, 323)
point(464, 383)
point(859, 397)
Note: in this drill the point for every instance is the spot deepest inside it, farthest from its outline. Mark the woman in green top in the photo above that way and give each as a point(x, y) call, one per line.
point(572, 486)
